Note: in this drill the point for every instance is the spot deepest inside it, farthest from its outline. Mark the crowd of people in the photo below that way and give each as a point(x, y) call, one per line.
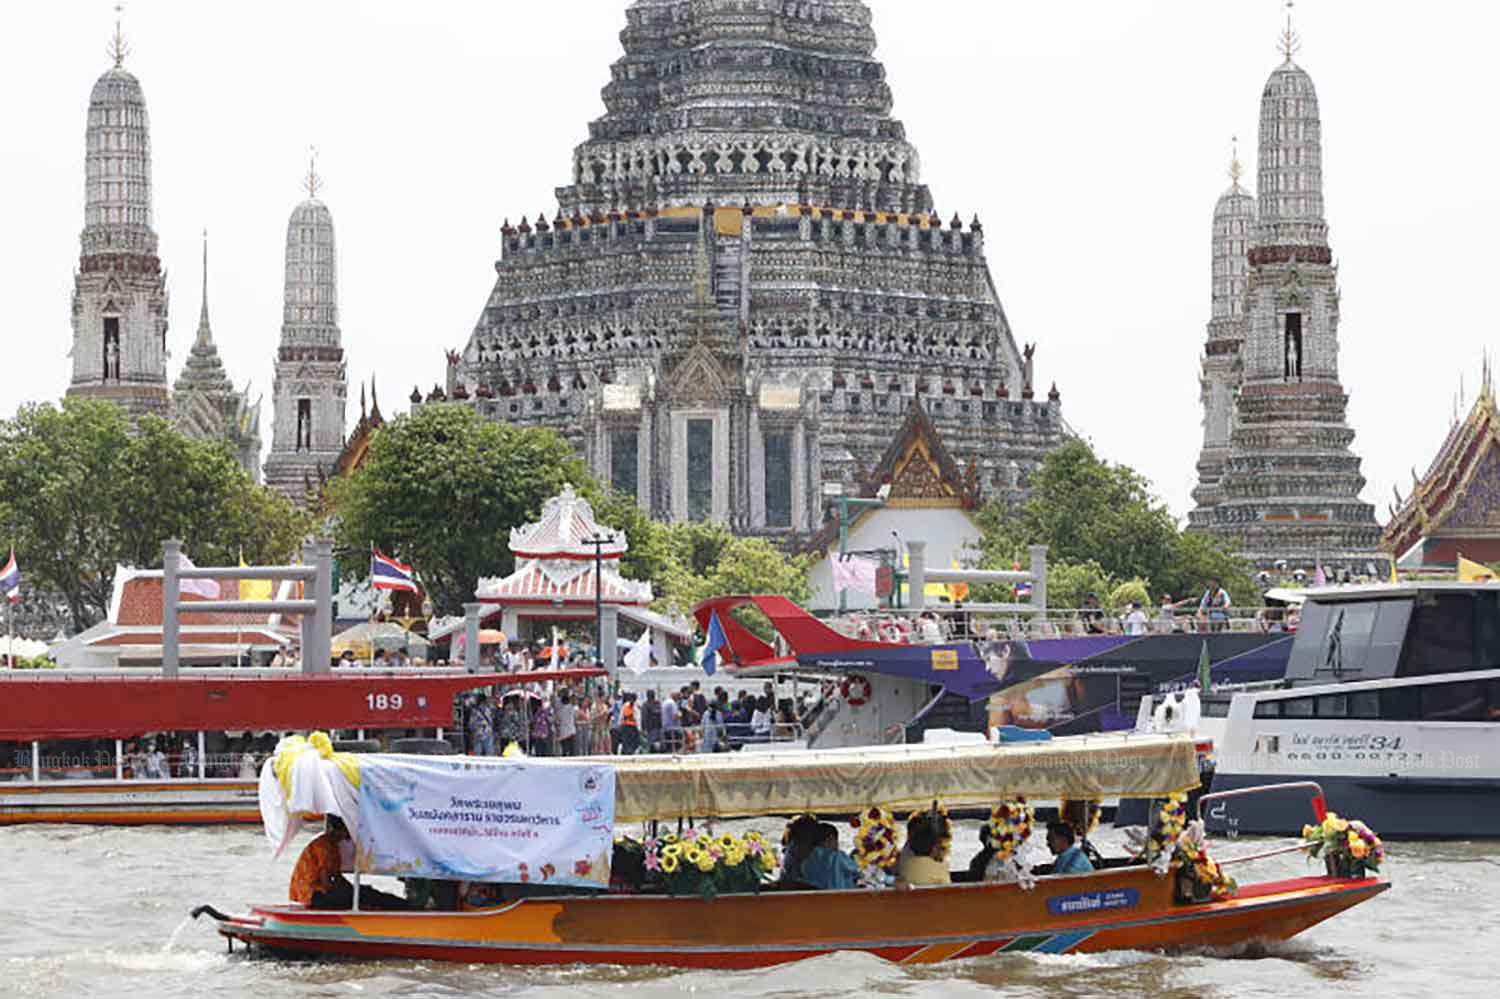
point(579, 719)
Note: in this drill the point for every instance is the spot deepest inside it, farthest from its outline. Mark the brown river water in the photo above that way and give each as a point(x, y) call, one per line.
point(100, 912)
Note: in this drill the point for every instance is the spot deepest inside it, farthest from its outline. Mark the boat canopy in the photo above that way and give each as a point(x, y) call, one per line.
point(846, 781)
point(307, 777)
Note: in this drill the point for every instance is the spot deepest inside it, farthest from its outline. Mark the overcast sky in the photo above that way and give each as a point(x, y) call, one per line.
point(1092, 138)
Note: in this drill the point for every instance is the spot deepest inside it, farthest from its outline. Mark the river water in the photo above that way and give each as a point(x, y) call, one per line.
point(99, 912)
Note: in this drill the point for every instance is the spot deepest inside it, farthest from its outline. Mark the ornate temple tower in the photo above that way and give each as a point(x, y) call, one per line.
point(205, 404)
point(1291, 484)
point(119, 291)
point(307, 434)
point(1234, 215)
point(746, 286)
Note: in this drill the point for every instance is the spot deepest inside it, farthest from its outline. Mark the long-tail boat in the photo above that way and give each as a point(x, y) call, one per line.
point(1127, 904)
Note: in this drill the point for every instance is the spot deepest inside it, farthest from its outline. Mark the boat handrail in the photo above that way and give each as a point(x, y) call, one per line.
point(1263, 854)
point(1240, 792)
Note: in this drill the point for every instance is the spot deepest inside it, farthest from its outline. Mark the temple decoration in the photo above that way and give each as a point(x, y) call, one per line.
point(1455, 507)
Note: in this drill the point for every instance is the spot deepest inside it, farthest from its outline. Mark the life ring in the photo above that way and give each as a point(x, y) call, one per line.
point(856, 690)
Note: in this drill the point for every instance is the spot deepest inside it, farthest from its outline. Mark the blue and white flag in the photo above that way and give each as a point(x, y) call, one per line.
point(388, 574)
point(10, 579)
point(709, 659)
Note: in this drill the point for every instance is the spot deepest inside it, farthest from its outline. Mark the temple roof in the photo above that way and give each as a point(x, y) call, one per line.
point(919, 469)
point(566, 523)
point(920, 472)
point(570, 582)
point(1460, 493)
point(358, 444)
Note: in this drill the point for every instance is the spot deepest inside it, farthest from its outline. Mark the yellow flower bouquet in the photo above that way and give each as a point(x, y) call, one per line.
point(702, 863)
point(1349, 848)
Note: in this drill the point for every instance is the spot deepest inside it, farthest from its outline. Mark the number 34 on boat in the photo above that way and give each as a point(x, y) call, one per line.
point(545, 881)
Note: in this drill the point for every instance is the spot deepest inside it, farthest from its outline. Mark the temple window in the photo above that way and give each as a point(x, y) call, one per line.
point(111, 348)
point(700, 469)
point(1293, 345)
point(304, 424)
point(778, 465)
point(624, 471)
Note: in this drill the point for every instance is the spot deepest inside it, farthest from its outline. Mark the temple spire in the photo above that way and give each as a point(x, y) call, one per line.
point(1290, 42)
point(312, 181)
point(204, 334)
point(118, 49)
point(1236, 171)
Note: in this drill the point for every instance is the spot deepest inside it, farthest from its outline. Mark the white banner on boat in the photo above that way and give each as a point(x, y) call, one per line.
point(468, 819)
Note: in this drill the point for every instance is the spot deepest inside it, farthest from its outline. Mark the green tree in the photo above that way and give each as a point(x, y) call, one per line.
point(86, 490)
point(649, 554)
point(1088, 511)
point(442, 489)
point(708, 561)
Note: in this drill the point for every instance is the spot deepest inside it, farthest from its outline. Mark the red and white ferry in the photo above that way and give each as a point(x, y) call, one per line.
point(117, 743)
point(73, 744)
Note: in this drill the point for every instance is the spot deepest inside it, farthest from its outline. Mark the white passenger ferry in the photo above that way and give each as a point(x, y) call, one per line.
point(1391, 702)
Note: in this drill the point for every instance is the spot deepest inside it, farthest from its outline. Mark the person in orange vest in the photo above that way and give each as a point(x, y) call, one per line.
point(630, 727)
point(318, 881)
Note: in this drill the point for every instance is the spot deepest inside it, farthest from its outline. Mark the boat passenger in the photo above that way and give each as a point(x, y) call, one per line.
point(981, 861)
point(826, 866)
point(922, 860)
point(482, 727)
point(154, 763)
point(318, 881)
point(801, 837)
point(1062, 841)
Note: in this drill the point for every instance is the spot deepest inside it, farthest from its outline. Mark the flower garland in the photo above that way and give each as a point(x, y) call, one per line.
point(1192, 848)
point(1350, 847)
point(875, 844)
point(1171, 820)
point(945, 835)
point(1009, 826)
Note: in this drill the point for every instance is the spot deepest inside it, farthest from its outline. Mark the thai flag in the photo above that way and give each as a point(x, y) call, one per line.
point(1023, 591)
point(388, 574)
point(10, 579)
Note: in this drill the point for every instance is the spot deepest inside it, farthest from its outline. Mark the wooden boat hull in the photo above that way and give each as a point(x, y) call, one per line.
point(1131, 908)
point(176, 802)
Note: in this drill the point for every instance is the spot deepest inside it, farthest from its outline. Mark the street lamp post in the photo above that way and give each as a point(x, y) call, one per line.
point(598, 541)
point(842, 504)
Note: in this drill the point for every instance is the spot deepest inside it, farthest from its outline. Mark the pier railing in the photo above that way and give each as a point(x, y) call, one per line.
point(316, 609)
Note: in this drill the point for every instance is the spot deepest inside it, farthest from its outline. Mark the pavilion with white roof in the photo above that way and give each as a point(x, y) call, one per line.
point(555, 578)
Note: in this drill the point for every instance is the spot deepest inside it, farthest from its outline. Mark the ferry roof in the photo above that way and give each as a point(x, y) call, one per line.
point(1375, 591)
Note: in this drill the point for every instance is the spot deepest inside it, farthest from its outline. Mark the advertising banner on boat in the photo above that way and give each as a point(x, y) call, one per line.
point(468, 819)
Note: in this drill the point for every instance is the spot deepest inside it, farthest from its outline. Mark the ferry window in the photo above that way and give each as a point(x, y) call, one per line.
point(1301, 707)
point(1365, 704)
point(1441, 636)
point(1347, 639)
point(1494, 699)
point(1400, 704)
point(1268, 709)
point(1453, 702)
point(1333, 706)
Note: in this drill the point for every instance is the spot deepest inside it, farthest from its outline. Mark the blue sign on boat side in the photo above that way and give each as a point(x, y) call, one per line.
point(1093, 901)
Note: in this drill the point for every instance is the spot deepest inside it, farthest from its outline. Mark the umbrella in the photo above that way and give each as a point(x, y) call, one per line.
point(23, 647)
point(490, 636)
point(363, 639)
